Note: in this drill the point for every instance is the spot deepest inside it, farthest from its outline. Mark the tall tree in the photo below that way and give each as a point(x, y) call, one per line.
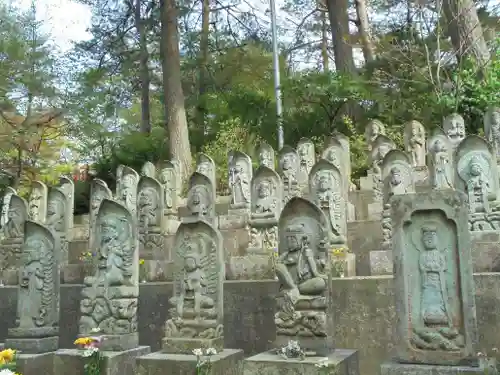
point(175, 112)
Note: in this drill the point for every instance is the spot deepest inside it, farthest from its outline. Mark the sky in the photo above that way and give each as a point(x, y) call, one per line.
point(65, 20)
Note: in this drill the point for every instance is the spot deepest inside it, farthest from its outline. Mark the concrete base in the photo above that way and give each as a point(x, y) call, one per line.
point(118, 343)
point(35, 364)
point(340, 362)
point(393, 368)
point(227, 362)
point(33, 345)
point(71, 361)
point(179, 345)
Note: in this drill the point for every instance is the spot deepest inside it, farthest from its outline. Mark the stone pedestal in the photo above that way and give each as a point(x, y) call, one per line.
point(393, 368)
point(35, 364)
point(33, 341)
point(181, 345)
point(375, 210)
point(235, 219)
point(341, 362)
point(71, 361)
point(250, 267)
point(227, 362)
point(381, 262)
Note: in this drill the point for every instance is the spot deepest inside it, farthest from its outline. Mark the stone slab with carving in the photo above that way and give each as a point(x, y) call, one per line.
point(126, 187)
point(240, 176)
point(168, 178)
point(307, 158)
point(37, 202)
point(440, 161)
point(201, 197)
point(414, 140)
point(148, 170)
point(454, 128)
point(288, 169)
point(434, 287)
point(67, 186)
point(57, 220)
point(265, 155)
point(150, 207)
point(110, 297)
point(492, 128)
point(8, 192)
point(37, 319)
point(197, 304)
point(98, 192)
point(373, 129)
point(303, 270)
point(205, 165)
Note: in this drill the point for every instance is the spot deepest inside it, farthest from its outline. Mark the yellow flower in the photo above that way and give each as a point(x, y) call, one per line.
point(83, 341)
point(7, 355)
point(338, 253)
point(141, 261)
point(2, 361)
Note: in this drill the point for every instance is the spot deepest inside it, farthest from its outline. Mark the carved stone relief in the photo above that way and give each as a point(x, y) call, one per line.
point(397, 174)
point(148, 170)
point(57, 220)
point(206, 166)
point(240, 176)
point(197, 304)
point(492, 128)
point(168, 179)
point(109, 298)
point(38, 201)
point(266, 155)
point(9, 192)
point(434, 288)
point(288, 168)
point(454, 128)
point(149, 208)
point(380, 147)
point(477, 174)
point(440, 161)
point(266, 208)
point(179, 175)
point(38, 294)
point(126, 188)
point(373, 129)
point(414, 140)
point(303, 273)
point(98, 192)
point(307, 158)
point(201, 197)
point(326, 190)
point(67, 186)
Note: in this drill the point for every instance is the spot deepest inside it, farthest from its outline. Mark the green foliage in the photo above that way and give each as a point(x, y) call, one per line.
point(232, 136)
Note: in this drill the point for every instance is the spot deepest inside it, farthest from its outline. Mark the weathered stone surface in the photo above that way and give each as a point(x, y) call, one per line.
point(436, 323)
point(381, 262)
point(492, 128)
point(303, 270)
point(71, 361)
point(344, 361)
point(250, 267)
point(67, 186)
point(265, 154)
point(150, 208)
point(373, 129)
point(240, 176)
point(35, 364)
point(288, 169)
point(57, 220)
point(414, 140)
point(37, 317)
point(392, 368)
point(109, 298)
point(227, 362)
point(98, 192)
point(126, 187)
point(454, 128)
point(206, 166)
point(148, 170)
point(201, 198)
point(440, 161)
point(37, 202)
point(307, 158)
point(197, 304)
point(169, 180)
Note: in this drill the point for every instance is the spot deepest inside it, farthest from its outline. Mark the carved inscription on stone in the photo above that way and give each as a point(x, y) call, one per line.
point(57, 219)
point(201, 197)
point(109, 298)
point(67, 186)
point(265, 154)
point(288, 169)
point(440, 161)
point(149, 210)
point(436, 319)
point(240, 176)
point(414, 139)
point(325, 189)
point(38, 293)
point(307, 158)
point(38, 201)
point(197, 304)
point(303, 273)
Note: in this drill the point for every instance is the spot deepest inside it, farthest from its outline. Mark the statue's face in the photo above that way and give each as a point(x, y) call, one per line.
point(429, 239)
point(439, 146)
point(53, 208)
point(12, 214)
point(203, 168)
point(143, 200)
point(456, 127)
point(292, 242)
point(189, 264)
point(323, 183)
point(109, 231)
point(264, 189)
point(287, 162)
point(303, 151)
point(475, 169)
point(396, 177)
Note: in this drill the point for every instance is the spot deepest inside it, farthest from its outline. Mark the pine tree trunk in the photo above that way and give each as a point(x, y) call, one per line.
point(324, 40)
point(143, 70)
point(339, 22)
point(202, 65)
point(364, 31)
point(175, 112)
point(465, 31)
